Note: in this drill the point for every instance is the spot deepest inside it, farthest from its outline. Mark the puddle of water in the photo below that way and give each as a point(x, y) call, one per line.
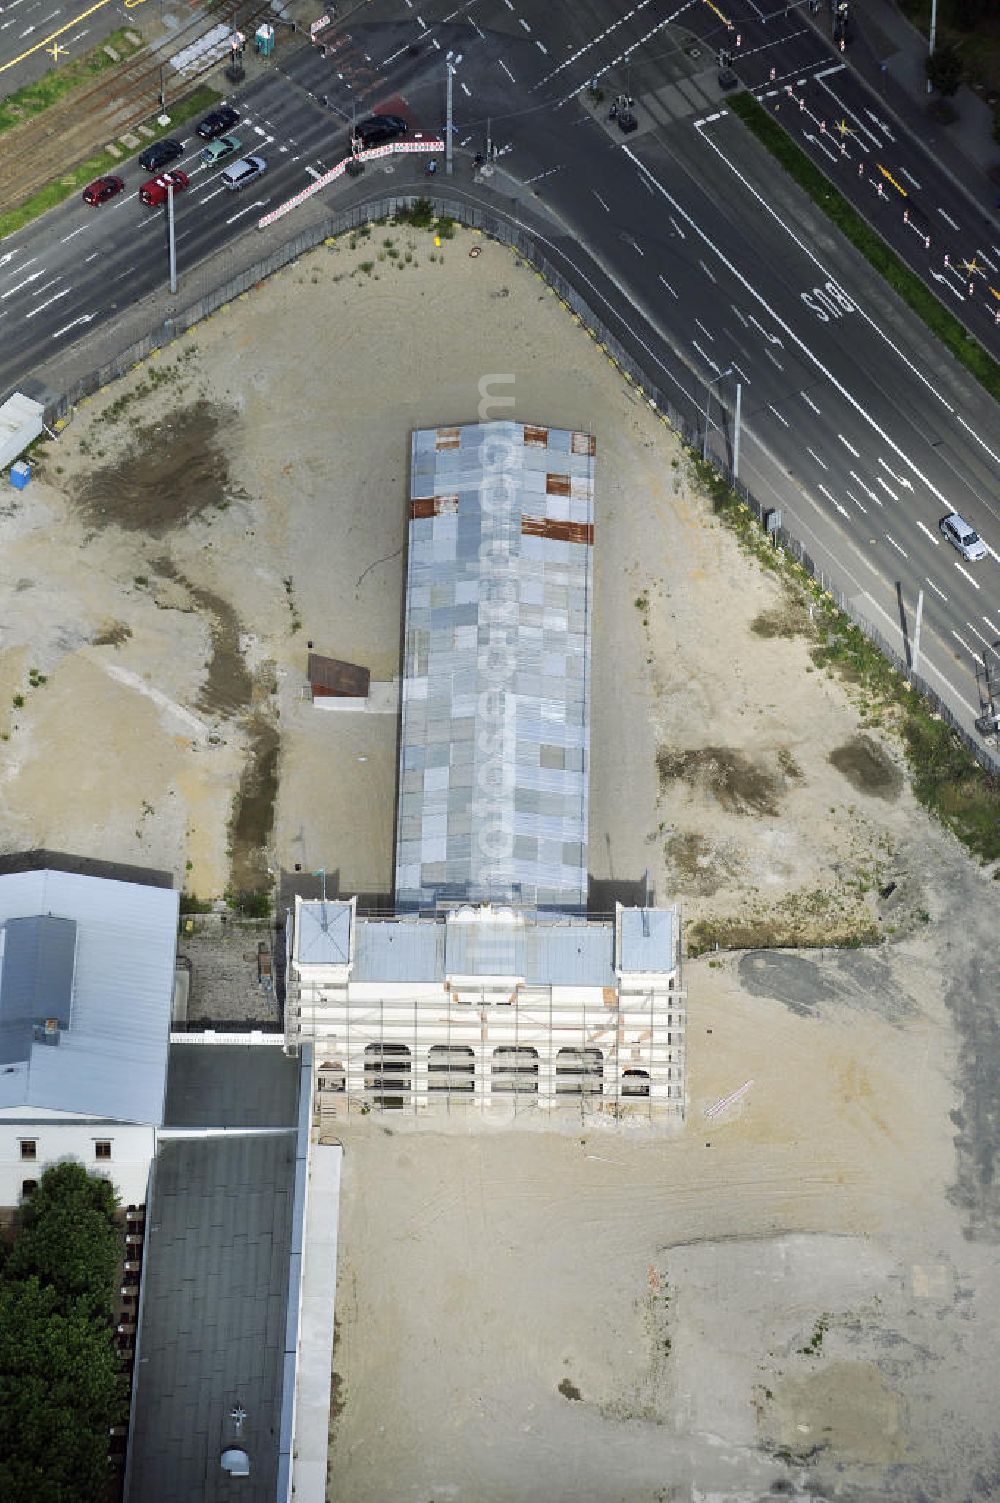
point(172, 472)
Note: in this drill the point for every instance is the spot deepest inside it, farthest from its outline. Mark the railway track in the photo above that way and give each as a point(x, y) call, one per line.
point(51, 144)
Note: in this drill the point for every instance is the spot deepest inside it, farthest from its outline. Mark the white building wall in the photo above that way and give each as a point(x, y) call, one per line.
point(63, 1137)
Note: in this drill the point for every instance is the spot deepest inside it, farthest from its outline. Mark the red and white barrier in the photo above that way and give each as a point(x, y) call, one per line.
point(395, 148)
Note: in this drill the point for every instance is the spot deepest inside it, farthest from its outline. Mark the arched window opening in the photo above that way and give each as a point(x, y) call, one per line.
point(515, 1070)
point(451, 1067)
point(387, 1075)
point(332, 1076)
point(635, 1082)
point(579, 1072)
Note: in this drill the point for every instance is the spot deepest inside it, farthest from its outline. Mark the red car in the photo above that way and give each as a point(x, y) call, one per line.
point(101, 189)
point(155, 191)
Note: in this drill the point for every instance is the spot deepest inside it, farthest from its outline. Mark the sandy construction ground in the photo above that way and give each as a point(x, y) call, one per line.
point(797, 1293)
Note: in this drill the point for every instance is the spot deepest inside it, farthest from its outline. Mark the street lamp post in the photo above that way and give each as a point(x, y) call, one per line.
point(736, 425)
point(451, 62)
point(933, 36)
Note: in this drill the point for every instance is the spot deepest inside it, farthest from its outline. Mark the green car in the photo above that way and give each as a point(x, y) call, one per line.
point(218, 151)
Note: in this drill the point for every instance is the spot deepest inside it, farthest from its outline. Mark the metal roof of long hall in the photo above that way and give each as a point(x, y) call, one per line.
point(107, 1056)
point(495, 740)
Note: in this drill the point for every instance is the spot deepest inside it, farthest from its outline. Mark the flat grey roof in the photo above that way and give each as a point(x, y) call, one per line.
point(402, 950)
point(96, 957)
point(495, 738)
point(215, 1279)
point(647, 940)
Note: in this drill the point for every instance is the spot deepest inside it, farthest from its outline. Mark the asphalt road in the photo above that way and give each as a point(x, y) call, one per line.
point(696, 253)
point(39, 35)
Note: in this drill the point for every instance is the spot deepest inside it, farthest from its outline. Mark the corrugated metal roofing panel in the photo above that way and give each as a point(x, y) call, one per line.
point(487, 670)
point(111, 1061)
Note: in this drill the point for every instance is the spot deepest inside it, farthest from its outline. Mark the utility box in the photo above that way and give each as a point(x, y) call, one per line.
point(20, 474)
point(264, 39)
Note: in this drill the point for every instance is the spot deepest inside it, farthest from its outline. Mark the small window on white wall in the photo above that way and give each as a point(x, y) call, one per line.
point(102, 1148)
point(29, 1148)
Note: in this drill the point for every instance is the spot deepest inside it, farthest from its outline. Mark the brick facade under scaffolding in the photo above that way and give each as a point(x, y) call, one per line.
point(488, 1009)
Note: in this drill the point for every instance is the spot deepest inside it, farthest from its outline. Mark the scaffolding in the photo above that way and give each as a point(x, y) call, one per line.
point(498, 1047)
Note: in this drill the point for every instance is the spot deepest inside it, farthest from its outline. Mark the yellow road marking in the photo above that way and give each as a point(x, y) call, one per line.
point(888, 175)
point(844, 128)
point(724, 19)
point(55, 50)
point(47, 41)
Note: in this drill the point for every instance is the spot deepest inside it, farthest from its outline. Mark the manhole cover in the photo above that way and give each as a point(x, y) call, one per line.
point(693, 51)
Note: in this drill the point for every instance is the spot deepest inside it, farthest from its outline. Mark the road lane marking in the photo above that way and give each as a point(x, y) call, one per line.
point(667, 285)
point(948, 219)
point(934, 540)
point(54, 299)
point(709, 274)
point(83, 319)
point(817, 458)
point(778, 415)
point(806, 251)
point(872, 496)
point(911, 179)
point(260, 204)
point(886, 487)
point(33, 278)
point(898, 549)
point(600, 200)
point(843, 510)
point(848, 446)
point(507, 70)
point(973, 582)
point(977, 633)
point(809, 401)
point(899, 479)
point(936, 588)
point(994, 629)
point(52, 36)
point(705, 331)
point(707, 358)
point(970, 650)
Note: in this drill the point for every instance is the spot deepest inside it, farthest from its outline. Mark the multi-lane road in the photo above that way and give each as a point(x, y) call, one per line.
point(689, 244)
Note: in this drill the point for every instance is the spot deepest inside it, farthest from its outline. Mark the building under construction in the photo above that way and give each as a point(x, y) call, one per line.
point(491, 987)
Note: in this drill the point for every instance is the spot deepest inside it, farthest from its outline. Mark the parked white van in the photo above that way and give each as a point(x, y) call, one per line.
point(958, 532)
point(246, 170)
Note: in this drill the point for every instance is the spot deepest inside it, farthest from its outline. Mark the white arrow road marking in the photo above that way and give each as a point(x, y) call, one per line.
point(48, 302)
point(261, 202)
point(848, 446)
point(771, 338)
point(899, 479)
point(866, 488)
point(826, 493)
point(973, 582)
point(9, 256)
point(33, 278)
point(83, 319)
point(927, 530)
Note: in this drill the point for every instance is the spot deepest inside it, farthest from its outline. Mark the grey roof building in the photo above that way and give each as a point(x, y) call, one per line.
point(86, 985)
point(494, 748)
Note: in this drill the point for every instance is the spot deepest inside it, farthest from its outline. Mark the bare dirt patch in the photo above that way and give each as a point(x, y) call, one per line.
point(740, 785)
point(868, 767)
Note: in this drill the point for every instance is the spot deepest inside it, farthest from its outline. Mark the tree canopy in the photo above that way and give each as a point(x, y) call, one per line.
point(61, 1386)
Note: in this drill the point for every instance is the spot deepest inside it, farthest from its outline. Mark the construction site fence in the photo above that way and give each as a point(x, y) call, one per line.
point(520, 240)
